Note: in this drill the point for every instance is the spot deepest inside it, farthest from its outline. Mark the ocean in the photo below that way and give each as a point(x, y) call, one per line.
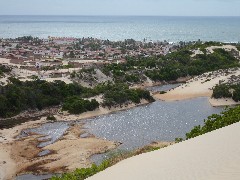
point(172, 29)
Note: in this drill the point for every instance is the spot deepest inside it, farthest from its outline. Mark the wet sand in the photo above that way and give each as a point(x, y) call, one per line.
point(67, 154)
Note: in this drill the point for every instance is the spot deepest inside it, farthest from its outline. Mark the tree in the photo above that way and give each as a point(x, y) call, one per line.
point(72, 55)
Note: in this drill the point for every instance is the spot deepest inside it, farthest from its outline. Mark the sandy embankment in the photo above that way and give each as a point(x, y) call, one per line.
point(211, 156)
point(201, 86)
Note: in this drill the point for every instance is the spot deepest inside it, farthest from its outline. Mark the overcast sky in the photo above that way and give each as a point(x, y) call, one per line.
point(121, 7)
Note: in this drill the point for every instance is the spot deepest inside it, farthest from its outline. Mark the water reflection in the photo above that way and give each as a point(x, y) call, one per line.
point(159, 121)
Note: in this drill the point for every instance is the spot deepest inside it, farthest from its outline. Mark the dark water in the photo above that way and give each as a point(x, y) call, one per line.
point(173, 29)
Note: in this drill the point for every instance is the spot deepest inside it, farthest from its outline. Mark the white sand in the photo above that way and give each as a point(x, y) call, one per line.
point(212, 48)
point(200, 86)
point(225, 47)
point(7, 165)
point(222, 102)
point(213, 156)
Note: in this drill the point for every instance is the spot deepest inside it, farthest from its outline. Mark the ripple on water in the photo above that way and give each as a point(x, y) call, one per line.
point(159, 121)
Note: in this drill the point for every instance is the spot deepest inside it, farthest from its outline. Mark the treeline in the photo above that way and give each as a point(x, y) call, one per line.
point(4, 69)
point(18, 96)
point(77, 105)
point(120, 94)
point(227, 91)
point(181, 64)
point(172, 66)
point(216, 121)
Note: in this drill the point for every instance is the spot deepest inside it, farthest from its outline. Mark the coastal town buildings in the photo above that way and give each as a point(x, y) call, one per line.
point(57, 56)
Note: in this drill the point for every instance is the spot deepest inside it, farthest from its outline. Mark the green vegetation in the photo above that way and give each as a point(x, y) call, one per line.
point(238, 47)
point(122, 73)
point(227, 91)
point(120, 94)
point(172, 66)
point(4, 69)
point(180, 64)
point(18, 96)
point(83, 173)
point(178, 140)
point(203, 46)
point(28, 39)
point(216, 121)
point(51, 118)
point(77, 105)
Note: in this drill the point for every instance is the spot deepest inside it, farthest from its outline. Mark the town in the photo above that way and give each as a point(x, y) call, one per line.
point(58, 57)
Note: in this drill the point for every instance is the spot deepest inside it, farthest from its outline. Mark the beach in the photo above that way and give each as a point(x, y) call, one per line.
point(202, 86)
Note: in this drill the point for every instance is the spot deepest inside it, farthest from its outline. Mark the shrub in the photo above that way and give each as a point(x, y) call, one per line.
point(51, 118)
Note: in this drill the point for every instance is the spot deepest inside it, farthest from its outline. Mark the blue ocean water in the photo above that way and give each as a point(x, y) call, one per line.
point(172, 29)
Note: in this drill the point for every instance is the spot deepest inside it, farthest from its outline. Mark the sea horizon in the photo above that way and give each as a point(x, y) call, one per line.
point(113, 15)
point(115, 28)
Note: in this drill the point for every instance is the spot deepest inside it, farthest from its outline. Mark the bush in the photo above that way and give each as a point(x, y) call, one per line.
point(163, 92)
point(227, 91)
point(51, 118)
point(216, 121)
point(77, 105)
point(18, 96)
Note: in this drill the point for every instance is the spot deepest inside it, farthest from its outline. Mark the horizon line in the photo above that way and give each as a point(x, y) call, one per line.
point(121, 15)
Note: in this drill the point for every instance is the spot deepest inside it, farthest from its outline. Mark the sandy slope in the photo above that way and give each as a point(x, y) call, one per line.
point(215, 155)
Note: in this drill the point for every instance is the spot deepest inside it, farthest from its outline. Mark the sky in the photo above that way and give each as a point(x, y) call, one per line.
point(121, 7)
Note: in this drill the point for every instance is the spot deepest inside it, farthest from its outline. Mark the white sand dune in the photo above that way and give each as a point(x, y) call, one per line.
point(215, 155)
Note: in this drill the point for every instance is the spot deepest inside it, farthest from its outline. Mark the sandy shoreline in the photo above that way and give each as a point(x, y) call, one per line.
point(201, 86)
point(67, 154)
